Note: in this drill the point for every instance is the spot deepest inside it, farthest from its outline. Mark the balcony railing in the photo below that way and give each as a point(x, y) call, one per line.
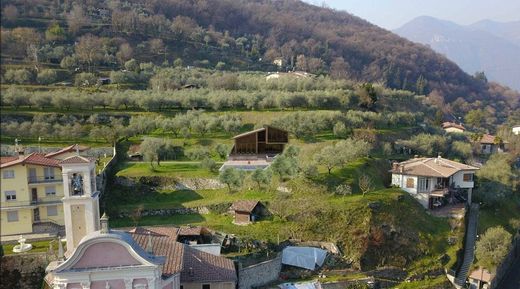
point(41, 180)
point(47, 200)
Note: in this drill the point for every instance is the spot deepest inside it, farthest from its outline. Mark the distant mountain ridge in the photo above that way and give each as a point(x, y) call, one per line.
point(489, 46)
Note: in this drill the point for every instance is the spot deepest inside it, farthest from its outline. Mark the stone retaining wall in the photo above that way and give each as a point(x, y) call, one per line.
point(24, 270)
point(259, 274)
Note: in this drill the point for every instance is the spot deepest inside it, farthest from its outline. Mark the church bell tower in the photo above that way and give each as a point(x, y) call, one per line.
point(81, 199)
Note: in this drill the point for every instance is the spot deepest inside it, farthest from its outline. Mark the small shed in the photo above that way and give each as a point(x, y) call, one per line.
point(247, 211)
point(193, 235)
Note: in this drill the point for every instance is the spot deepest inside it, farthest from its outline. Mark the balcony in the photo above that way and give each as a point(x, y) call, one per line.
point(44, 180)
point(50, 199)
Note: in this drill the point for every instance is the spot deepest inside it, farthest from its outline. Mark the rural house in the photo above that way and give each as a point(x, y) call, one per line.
point(434, 182)
point(246, 212)
point(491, 144)
point(32, 186)
point(453, 127)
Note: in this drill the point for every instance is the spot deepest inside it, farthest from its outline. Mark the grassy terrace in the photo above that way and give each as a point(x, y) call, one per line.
point(166, 169)
point(188, 198)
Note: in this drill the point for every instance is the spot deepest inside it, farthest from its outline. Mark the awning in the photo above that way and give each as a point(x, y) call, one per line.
point(304, 257)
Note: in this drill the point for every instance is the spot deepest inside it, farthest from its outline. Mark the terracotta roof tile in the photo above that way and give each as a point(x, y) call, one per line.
point(244, 206)
point(70, 148)
point(448, 124)
point(33, 159)
point(432, 167)
point(205, 267)
point(4, 160)
point(487, 139)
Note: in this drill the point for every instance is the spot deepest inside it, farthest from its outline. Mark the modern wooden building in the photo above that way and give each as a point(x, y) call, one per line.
point(266, 140)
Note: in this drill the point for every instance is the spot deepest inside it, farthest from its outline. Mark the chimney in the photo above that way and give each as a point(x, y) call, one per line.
point(190, 272)
point(104, 224)
point(149, 245)
point(395, 166)
point(401, 169)
point(415, 156)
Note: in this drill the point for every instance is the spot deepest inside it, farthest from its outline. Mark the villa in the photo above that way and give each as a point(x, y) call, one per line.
point(32, 188)
point(435, 182)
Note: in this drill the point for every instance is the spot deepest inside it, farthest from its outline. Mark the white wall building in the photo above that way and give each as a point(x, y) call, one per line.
point(434, 181)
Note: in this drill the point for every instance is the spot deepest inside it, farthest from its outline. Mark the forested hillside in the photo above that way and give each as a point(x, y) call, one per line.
point(101, 36)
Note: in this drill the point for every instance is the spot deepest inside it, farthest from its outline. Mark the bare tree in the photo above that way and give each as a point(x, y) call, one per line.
point(76, 19)
point(365, 184)
point(89, 50)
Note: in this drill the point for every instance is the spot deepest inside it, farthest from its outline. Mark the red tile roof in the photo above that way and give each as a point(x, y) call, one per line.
point(33, 159)
point(448, 124)
point(71, 148)
point(194, 265)
point(487, 139)
point(244, 206)
point(4, 160)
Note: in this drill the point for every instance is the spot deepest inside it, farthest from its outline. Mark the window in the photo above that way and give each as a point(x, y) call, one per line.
point(423, 184)
point(410, 183)
point(52, 211)
point(8, 174)
point(12, 216)
point(50, 190)
point(10, 195)
point(467, 177)
point(205, 286)
point(48, 173)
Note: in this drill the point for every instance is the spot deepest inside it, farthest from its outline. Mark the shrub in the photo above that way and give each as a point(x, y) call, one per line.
point(197, 153)
point(85, 79)
point(47, 76)
point(209, 164)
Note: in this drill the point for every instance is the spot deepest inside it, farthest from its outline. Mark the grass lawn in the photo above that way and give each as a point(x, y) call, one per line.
point(262, 230)
point(499, 215)
point(38, 247)
point(168, 169)
point(439, 282)
point(189, 198)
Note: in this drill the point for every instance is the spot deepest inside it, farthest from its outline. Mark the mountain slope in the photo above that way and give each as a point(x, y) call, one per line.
point(470, 47)
point(506, 30)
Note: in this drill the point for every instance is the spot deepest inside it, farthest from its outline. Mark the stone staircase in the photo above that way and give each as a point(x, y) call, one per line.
point(469, 247)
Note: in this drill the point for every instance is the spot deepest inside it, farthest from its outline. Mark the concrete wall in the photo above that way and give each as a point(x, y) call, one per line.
point(260, 274)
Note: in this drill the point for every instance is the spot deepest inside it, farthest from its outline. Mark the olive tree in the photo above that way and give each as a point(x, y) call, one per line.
point(493, 247)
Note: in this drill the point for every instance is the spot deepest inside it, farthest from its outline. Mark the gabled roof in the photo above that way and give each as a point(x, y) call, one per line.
point(71, 148)
point(191, 231)
point(31, 159)
point(244, 206)
point(4, 160)
point(76, 160)
point(430, 167)
point(487, 139)
point(250, 132)
point(257, 130)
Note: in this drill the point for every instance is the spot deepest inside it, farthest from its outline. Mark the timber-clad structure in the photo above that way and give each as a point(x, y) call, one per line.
point(266, 140)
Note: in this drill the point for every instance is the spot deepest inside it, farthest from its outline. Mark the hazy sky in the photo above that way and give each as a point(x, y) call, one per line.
point(391, 14)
